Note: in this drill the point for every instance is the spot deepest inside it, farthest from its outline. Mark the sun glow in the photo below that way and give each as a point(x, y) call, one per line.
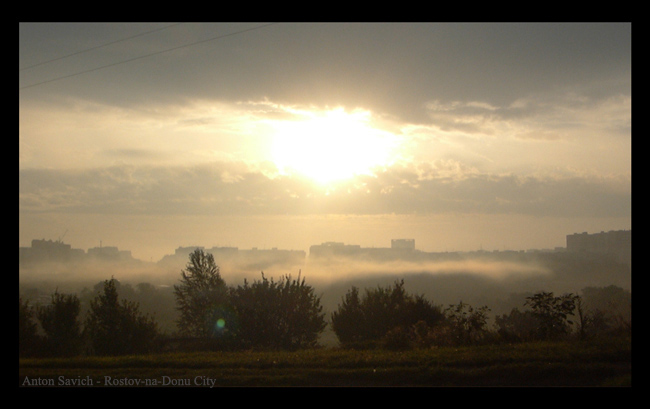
point(330, 146)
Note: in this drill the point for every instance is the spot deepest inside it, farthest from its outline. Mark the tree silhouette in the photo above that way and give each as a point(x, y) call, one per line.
point(348, 322)
point(552, 313)
point(28, 339)
point(201, 297)
point(278, 315)
point(119, 328)
point(517, 326)
point(61, 325)
point(368, 318)
point(468, 324)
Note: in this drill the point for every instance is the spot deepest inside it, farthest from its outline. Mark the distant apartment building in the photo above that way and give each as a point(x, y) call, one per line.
point(185, 251)
point(617, 243)
point(399, 248)
point(274, 256)
point(402, 244)
point(334, 249)
point(57, 251)
point(48, 250)
point(233, 256)
point(109, 253)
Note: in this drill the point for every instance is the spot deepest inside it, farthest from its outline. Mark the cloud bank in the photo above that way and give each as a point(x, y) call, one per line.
point(219, 188)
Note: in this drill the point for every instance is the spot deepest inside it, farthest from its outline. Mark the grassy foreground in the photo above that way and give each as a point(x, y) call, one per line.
point(530, 364)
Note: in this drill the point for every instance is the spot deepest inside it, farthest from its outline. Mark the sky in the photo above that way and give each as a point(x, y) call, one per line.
point(462, 136)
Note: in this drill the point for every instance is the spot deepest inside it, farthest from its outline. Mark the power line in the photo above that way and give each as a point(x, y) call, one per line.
point(147, 55)
point(96, 47)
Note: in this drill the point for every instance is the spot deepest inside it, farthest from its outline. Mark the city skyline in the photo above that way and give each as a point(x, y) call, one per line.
point(575, 241)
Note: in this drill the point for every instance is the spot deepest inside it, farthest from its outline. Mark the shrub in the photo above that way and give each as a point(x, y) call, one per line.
point(398, 339)
point(278, 315)
point(368, 319)
point(552, 313)
point(464, 325)
point(517, 326)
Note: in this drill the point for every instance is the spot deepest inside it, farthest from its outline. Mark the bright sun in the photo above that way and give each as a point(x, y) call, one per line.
point(330, 146)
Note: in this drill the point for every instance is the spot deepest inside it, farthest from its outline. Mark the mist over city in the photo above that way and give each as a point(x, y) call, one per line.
point(456, 165)
point(481, 277)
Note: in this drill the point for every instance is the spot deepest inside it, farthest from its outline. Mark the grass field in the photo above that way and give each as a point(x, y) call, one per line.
point(529, 364)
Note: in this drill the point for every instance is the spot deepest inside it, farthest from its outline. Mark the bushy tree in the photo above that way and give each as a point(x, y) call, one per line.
point(28, 339)
point(517, 326)
point(284, 314)
point(201, 297)
point(116, 328)
point(468, 325)
point(363, 320)
point(605, 311)
point(349, 322)
point(552, 313)
point(60, 323)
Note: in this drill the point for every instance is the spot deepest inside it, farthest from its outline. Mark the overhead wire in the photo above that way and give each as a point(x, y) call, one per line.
point(97, 47)
point(146, 55)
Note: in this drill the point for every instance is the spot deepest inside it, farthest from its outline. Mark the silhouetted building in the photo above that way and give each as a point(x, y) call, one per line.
point(234, 257)
point(334, 249)
point(400, 249)
point(617, 243)
point(47, 250)
point(261, 258)
point(402, 244)
point(185, 251)
point(109, 253)
point(57, 251)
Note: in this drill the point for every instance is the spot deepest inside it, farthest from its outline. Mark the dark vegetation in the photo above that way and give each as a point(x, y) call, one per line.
point(272, 327)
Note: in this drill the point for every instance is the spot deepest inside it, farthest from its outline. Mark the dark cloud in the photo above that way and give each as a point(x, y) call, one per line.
point(389, 68)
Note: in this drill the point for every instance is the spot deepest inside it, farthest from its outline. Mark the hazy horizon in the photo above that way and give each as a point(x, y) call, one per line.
point(462, 136)
point(156, 254)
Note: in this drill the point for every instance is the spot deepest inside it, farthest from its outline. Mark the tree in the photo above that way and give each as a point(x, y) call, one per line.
point(201, 297)
point(348, 322)
point(28, 339)
point(606, 311)
point(116, 328)
point(366, 319)
point(467, 324)
point(517, 326)
point(61, 325)
point(278, 315)
point(552, 313)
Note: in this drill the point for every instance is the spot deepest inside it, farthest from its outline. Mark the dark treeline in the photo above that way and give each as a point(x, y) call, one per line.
point(202, 312)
